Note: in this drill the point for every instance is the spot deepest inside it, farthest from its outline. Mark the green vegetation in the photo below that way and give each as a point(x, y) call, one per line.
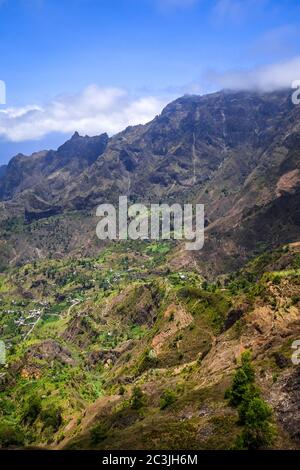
point(124, 332)
point(31, 410)
point(138, 398)
point(212, 307)
point(256, 417)
point(98, 433)
point(52, 418)
point(10, 435)
point(243, 384)
point(167, 399)
point(254, 414)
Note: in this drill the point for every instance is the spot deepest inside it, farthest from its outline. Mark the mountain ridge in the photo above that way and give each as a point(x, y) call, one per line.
point(140, 343)
point(236, 152)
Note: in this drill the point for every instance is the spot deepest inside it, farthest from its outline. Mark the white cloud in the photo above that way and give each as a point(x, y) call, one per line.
point(265, 78)
point(92, 111)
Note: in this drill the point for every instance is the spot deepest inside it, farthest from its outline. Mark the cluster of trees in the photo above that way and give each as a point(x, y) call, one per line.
point(255, 415)
point(51, 416)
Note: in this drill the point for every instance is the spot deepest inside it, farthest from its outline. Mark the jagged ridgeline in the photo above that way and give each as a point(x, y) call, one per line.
point(135, 344)
point(236, 152)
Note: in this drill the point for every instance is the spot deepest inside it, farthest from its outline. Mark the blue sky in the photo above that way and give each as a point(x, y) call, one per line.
point(97, 65)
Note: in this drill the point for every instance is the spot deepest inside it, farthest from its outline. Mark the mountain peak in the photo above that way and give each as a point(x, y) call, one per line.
point(75, 135)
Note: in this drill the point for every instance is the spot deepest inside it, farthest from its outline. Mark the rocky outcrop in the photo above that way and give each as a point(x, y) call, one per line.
point(109, 357)
point(49, 350)
point(287, 396)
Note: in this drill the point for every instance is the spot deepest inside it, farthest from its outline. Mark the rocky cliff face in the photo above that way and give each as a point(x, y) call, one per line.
point(236, 152)
point(46, 172)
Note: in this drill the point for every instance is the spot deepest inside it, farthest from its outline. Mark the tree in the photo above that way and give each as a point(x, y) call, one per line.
point(99, 433)
point(167, 399)
point(52, 417)
point(137, 398)
point(255, 415)
point(243, 381)
point(258, 429)
point(31, 409)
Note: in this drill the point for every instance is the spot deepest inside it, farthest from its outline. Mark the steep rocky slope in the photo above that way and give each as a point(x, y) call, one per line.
point(39, 178)
point(237, 152)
